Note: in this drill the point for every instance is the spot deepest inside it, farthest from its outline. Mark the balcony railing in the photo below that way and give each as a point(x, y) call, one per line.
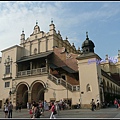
point(60, 81)
point(32, 72)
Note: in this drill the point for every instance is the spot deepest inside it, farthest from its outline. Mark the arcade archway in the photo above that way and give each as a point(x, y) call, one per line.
point(37, 92)
point(22, 95)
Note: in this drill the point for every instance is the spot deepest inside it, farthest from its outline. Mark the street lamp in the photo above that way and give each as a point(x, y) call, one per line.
point(81, 98)
point(44, 90)
point(67, 94)
point(10, 92)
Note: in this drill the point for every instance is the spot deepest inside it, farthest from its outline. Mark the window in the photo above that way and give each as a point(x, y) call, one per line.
point(63, 76)
point(35, 51)
point(8, 65)
point(88, 88)
point(7, 69)
point(7, 84)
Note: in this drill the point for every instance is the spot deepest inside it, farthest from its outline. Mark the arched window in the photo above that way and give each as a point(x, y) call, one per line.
point(35, 51)
point(88, 88)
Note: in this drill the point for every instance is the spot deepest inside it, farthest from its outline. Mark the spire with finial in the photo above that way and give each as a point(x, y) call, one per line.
point(36, 22)
point(58, 32)
point(22, 36)
point(72, 44)
point(22, 31)
point(79, 50)
point(52, 26)
point(87, 36)
point(66, 38)
point(51, 20)
point(118, 53)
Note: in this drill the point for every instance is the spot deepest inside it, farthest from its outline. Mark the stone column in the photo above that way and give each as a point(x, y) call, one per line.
point(29, 96)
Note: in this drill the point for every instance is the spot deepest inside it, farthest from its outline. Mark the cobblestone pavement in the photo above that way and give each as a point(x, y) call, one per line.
point(73, 113)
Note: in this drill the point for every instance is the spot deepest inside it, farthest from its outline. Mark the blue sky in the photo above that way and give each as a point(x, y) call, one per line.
point(72, 19)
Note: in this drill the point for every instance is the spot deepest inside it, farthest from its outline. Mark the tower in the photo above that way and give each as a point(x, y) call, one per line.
point(22, 37)
point(89, 74)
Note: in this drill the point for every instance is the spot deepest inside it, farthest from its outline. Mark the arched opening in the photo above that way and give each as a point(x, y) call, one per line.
point(22, 95)
point(37, 92)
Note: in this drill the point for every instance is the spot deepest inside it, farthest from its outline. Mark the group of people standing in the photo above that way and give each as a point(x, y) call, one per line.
point(36, 109)
point(117, 103)
point(8, 107)
point(95, 105)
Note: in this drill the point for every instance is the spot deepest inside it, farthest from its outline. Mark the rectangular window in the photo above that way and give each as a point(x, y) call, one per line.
point(7, 69)
point(7, 84)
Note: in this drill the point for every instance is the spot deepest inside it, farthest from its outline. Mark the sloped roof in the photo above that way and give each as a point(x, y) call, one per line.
point(26, 58)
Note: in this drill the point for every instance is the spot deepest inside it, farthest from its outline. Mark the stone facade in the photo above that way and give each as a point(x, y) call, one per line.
point(46, 67)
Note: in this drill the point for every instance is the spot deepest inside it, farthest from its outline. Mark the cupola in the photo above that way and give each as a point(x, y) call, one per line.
point(88, 45)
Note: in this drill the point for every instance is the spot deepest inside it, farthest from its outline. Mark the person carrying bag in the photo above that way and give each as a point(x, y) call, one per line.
point(54, 112)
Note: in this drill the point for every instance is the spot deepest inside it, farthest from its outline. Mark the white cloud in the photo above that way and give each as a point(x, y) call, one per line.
point(14, 16)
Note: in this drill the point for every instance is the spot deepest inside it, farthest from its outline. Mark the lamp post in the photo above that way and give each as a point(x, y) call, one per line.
point(10, 92)
point(67, 91)
point(102, 94)
point(81, 98)
point(67, 95)
point(44, 90)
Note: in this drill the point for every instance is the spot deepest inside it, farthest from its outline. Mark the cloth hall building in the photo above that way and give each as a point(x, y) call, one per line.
point(46, 67)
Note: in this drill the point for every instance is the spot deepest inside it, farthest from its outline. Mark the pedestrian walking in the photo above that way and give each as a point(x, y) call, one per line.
point(116, 103)
point(53, 111)
point(10, 108)
point(6, 110)
point(92, 105)
point(97, 105)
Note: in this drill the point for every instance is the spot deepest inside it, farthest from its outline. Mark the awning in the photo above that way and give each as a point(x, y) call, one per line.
point(66, 68)
point(53, 66)
point(27, 58)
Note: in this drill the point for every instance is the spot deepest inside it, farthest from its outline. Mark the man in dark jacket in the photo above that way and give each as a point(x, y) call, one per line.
point(10, 108)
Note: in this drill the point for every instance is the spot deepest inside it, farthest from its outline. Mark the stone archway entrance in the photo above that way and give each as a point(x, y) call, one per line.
point(37, 92)
point(22, 95)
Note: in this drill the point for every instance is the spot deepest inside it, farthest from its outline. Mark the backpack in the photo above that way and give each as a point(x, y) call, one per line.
point(10, 107)
point(37, 113)
point(115, 102)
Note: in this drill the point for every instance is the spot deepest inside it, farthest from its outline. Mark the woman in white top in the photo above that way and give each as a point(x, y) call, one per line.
point(28, 106)
point(6, 110)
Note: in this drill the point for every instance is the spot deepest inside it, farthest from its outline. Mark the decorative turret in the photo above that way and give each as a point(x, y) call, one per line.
point(52, 26)
point(106, 58)
point(119, 53)
point(88, 45)
point(66, 38)
point(79, 50)
point(22, 37)
point(36, 29)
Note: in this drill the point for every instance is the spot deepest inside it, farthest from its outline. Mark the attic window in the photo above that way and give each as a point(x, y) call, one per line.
point(35, 51)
